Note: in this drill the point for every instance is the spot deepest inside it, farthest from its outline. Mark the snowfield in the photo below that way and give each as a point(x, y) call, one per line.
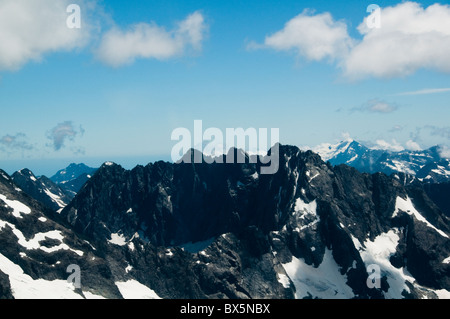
point(324, 281)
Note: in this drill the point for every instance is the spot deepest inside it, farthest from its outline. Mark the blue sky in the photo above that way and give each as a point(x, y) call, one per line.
point(88, 95)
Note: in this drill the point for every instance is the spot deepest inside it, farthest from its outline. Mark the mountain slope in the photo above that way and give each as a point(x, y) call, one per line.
point(310, 230)
point(42, 189)
point(36, 251)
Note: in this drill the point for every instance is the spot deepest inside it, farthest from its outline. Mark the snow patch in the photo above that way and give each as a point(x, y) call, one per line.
point(4, 176)
point(133, 289)
point(442, 293)
point(324, 281)
point(25, 287)
point(90, 295)
point(34, 243)
point(18, 207)
point(117, 239)
point(284, 280)
point(57, 199)
point(307, 213)
point(407, 206)
point(169, 252)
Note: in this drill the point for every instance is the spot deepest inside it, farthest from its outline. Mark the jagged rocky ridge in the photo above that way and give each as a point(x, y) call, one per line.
point(226, 231)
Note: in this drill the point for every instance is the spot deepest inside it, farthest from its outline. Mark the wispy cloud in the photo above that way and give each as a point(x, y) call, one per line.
point(439, 131)
point(444, 151)
point(63, 132)
point(376, 106)
point(389, 146)
point(396, 128)
point(425, 91)
point(9, 143)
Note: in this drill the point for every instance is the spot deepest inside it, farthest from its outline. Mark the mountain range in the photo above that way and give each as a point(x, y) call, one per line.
point(179, 230)
point(426, 165)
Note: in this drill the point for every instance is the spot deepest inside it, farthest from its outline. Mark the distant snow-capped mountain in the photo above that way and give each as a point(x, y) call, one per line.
point(426, 165)
point(73, 177)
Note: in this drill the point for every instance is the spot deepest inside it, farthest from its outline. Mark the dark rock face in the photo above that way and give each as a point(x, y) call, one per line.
point(225, 231)
point(5, 287)
point(439, 194)
point(305, 209)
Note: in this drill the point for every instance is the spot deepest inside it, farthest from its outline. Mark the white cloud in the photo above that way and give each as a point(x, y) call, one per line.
point(315, 37)
point(410, 38)
point(148, 40)
point(345, 136)
point(384, 145)
point(444, 151)
point(31, 29)
point(413, 146)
